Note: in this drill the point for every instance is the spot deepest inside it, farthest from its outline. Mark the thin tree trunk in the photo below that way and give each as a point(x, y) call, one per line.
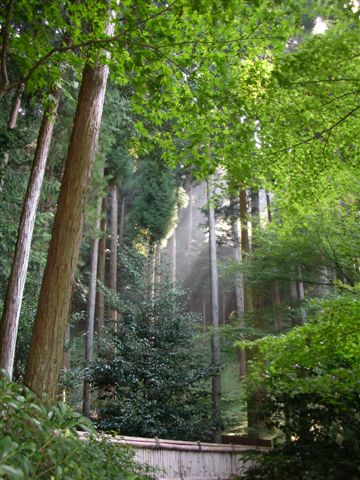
point(100, 301)
point(301, 297)
point(122, 220)
point(190, 221)
point(15, 289)
point(245, 245)
point(44, 359)
point(239, 282)
point(151, 273)
point(268, 206)
point(215, 340)
point(276, 297)
point(11, 125)
point(66, 358)
point(257, 296)
point(113, 250)
point(204, 314)
point(223, 308)
point(173, 257)
point(158, 266)
point(89, 346)
point(16, 108)
point(277, 304)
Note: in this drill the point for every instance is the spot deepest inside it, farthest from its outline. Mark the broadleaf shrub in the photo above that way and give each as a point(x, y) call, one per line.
point(41, 441)
point(309, 379)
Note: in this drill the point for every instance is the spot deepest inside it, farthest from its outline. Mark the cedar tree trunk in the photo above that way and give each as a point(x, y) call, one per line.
point(215, 339)
point(239, 281)
point(100, 301)
point(11, 314)
point(45, 355)
point(89, 346)
point(113, 250)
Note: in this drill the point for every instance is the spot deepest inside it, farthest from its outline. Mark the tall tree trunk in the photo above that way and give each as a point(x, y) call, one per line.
point(256, 422)
point(276, 296)
point(44, 359)
point(89, 346)
point(239, 281)
point(277, 305)
point(11, 125)
point(100, 301)
point(268, 206)
point(223, 303)
point(66, 355)
point(191, 216)
point(301, 297)
point(245, 245)
point(257, 295)
point(151, 272)
point(204, 313)
point(157, 266)
point(16, 108)
point(66, 362)
point(122, 220)
point(173, 257)
point(15, 289)
point(215, 339)
point(113, 250)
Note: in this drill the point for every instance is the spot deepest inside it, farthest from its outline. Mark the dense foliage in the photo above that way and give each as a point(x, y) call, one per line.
point(154, 380)
point(309, 385)
point(247, 90)
point(41, 441)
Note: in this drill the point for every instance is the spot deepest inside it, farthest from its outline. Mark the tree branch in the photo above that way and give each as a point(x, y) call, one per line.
point(157, 14)
point(326, 80)
point(116, 38)
point(326, 130)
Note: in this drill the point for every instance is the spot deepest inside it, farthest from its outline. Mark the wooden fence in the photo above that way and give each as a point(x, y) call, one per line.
point(177, 460)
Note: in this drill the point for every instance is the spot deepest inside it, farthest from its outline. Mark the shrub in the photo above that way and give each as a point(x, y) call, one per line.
point(41, 441)
point(310, 387)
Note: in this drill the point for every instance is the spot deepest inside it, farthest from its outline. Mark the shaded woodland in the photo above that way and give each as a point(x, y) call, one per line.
point(179, 231)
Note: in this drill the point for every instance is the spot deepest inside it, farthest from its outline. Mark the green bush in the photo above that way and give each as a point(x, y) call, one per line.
point(309, 384)
point(38, 441)
point(154, 378)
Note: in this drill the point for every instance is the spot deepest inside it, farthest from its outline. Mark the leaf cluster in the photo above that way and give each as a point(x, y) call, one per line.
point(41, 441)
point(309, 387)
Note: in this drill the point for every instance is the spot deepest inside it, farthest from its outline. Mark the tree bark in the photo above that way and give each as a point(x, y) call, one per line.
point(16, 108)
point(239, 281)
point(157, 267)
point(44, 359)
point(122, 220)
point(245, 245)
point(113, 249)
point(215, 339)
point(100, 301)
point(66, 361)
point(276, 297)
point(11, 125)
point(151, 273)
point(173, 257)
point(89, 346)
point(277, 304)
point(257, 295)
point(190, 218)
point(301, 297)
point(11, 314)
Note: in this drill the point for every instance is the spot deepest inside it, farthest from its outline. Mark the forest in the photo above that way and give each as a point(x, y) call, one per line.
point(179, 243)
